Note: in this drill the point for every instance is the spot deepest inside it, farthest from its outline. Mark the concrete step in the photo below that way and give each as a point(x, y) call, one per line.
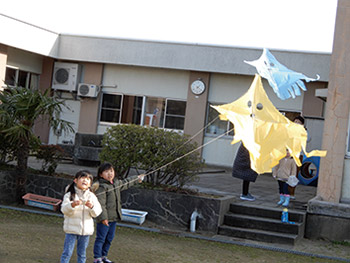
point(258, 235)
point(256, 222)
point(262, 223)
point(267, 212)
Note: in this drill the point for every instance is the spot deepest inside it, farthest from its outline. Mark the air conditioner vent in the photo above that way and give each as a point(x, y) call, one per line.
point(65, 76)
point(84, 89)
point(88, 90)
point(62, 75)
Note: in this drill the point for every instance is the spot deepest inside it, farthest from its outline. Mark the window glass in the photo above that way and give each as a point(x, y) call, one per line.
point(10, 76)
point(175, 114)
point(217, 126)
point(121, 108)
point(25, 79)
point(110, 115)
point(154, 114)
point(22, 79)
point(111, 101)
point(34, 82)
point(175, 107)
point(137, 110)
point(172, 122)
point(158, 112)
point(111, 108)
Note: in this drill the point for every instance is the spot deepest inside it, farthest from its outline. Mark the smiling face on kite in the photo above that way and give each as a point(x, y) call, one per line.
point(264, 131)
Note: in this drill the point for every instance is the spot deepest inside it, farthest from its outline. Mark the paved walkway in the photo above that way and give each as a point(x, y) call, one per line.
point(264, 189)
point(218, 181)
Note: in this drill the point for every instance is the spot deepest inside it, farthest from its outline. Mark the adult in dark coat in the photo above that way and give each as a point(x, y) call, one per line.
point(241, 169)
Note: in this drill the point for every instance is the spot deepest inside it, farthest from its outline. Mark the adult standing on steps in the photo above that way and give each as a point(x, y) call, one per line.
point(241, 169)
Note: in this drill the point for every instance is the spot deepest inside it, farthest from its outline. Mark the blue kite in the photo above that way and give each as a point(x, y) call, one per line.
point(285, 83)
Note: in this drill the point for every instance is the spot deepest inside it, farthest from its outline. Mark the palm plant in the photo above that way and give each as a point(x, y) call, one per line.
point(19, 109)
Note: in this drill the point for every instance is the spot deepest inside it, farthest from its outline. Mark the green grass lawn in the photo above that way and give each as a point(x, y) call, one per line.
point(27, 237)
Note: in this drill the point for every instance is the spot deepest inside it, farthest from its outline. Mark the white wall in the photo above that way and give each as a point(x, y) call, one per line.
point(146, 81)
point(219, 152)
point(24, 60)
point(71, 115)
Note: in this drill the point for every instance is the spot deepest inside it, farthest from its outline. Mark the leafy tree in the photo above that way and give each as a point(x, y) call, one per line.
point(19, 109)
point(167, 157)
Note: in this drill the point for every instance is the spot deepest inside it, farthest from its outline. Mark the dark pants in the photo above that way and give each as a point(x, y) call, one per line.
point(283, 187)
point(104, 237)
point(245, 188)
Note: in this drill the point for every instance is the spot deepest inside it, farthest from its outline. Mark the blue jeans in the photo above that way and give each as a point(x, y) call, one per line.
point(104, 237)
point(69, 243)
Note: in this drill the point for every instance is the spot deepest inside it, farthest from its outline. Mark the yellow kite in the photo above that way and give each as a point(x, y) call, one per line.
point(264, 131)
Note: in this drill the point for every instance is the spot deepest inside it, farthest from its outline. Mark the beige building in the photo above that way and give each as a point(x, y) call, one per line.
point(108, 81)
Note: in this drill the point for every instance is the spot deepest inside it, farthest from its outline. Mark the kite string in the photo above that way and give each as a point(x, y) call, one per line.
point(179, 158)
point(175, 160)
point(190, 139)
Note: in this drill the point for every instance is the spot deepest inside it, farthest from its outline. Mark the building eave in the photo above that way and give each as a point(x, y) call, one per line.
point(157, 54)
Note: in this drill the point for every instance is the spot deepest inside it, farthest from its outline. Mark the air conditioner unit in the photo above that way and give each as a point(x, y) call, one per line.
point(65, 76)
point(88, 90)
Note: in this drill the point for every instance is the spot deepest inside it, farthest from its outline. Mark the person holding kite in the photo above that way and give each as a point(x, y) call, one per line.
point(108, 194)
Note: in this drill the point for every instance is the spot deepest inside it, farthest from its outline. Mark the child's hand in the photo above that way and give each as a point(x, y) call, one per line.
point(141, 177)
point(89, 204)
point(76, 203)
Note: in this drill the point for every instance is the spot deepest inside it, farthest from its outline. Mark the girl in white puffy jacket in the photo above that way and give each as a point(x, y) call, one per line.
point(79, 207)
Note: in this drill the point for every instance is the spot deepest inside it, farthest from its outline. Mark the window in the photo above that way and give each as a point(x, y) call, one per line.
point(111, 108)
point(154, 112)
point(165, 113)
point(217, 126)
point(10, 76)
point(25, 79)
point(175, 114)
point(157, 112)
point(121, 108)
point(137, 110)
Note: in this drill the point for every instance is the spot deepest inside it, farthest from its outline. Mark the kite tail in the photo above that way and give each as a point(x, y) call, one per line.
point(296, 159)
point(314, 153)
point(310, 79)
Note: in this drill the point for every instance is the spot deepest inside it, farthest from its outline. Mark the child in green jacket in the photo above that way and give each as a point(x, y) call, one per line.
point(108, 194)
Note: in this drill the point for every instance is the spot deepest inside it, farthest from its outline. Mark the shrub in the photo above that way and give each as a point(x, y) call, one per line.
point(51, 155)
point(166, 156)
